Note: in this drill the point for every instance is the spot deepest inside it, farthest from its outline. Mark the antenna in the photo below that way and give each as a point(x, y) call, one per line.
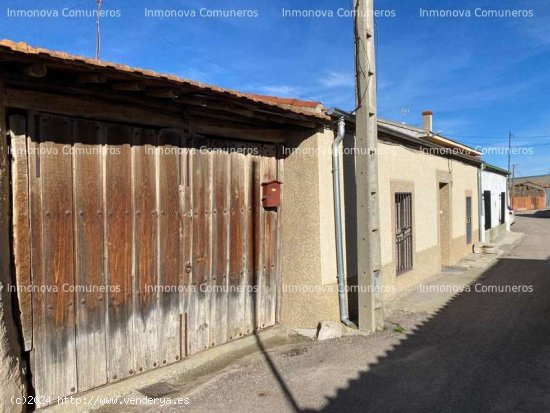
point(404, 113)
point(98, 31)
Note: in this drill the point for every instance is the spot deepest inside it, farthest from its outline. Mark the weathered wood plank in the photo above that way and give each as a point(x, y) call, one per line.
point(199, 306)
point(54, 329)
point(186, 245)
point(250, 192)
point(12, 373)
point(89, 256)
point(236, 296)
point(280, 211)
point(92, 108)
point(21, 224)
point(259, 250)
point(168, 256)
point(118, 237)
point(270, 240)
point(219, 245)
point(145, 275)
point(89, 108)
point(37, 273)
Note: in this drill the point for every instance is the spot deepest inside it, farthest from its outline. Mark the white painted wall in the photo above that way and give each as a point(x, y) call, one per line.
point(496, 183)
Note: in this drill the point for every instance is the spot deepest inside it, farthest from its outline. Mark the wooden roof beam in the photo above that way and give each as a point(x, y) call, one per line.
point(91, 78)
point(128, 86)
point(247, 111)
point(164, 93)
point(37, 70)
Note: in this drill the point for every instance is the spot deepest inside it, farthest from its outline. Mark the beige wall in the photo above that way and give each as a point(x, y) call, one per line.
point(400, 166)
point(308, 259)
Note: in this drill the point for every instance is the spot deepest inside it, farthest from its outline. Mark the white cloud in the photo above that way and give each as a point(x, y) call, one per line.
point(337, 79)
point(280, 90)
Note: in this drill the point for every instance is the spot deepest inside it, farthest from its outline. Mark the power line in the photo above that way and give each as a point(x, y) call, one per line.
point(497, 137)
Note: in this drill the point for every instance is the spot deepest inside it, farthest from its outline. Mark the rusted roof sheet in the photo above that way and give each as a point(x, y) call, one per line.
point(301, 107)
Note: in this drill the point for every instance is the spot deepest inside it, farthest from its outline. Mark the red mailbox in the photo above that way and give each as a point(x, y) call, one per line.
point(271, 194)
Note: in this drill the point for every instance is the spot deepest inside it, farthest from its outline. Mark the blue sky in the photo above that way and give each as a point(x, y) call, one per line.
point(482, 77)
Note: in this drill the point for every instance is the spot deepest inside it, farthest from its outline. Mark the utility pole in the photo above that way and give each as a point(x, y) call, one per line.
point(513, 188)
point(509, 150)
point(370, 303)
point(509, 159)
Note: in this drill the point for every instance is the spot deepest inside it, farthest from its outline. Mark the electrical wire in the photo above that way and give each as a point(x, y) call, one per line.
point(498, 137)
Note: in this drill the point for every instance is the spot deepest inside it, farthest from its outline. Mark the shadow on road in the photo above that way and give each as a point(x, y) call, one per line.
point(483, 352)
point(537, 214)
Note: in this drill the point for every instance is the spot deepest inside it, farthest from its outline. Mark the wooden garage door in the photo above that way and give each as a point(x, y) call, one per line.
point(135, 247)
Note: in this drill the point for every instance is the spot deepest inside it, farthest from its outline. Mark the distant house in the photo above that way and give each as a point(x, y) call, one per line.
point(528, 196)
point(495, 218)
point(543, 180)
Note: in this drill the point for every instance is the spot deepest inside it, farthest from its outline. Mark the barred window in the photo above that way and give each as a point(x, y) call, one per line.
point(404, 231)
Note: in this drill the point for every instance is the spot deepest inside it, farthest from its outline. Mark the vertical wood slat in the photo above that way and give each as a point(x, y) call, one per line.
point(187, 239)
point(118, 236)
point(269, 172)
point(89, 256)
point(54, 358)
point(144, 261)
point(259, 233)
point(281, 177)
point(250, 192)
point(168, 255)
point(186, 245)
point(37, 274)
point(236, 298)
point(219, 246)
point(21, 224)
point(201, 261)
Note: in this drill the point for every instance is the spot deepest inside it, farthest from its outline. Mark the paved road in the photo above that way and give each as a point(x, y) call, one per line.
point(485, 352)
point(482, 352)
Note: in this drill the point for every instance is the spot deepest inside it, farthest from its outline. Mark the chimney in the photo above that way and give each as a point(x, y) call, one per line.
point(427, 120)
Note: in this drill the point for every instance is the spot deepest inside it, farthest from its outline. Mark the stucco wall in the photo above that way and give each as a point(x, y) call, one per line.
point(308, 260)
point(308, 257)
point(423, 172)
point(495, 183)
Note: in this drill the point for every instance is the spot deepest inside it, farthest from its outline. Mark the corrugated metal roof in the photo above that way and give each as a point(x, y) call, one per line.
point(301, 107)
